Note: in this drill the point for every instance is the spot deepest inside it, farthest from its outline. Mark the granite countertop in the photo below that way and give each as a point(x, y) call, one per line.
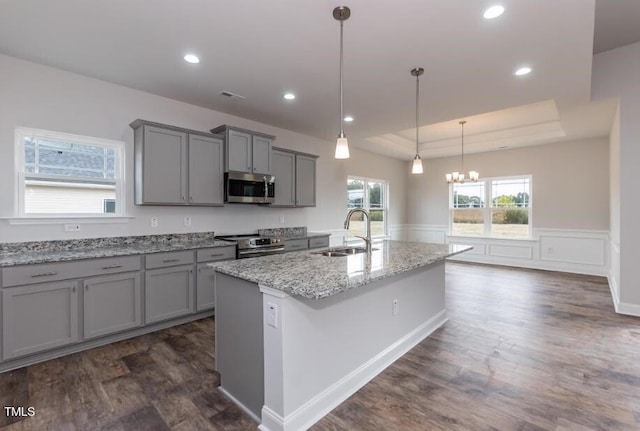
point(311, 275)
point(60, 251)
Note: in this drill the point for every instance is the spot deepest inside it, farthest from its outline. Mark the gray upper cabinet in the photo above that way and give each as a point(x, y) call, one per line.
point(261, 146)
point(295, 178)
point(246, 151)
point(305, 181)
point(239, 154)
point(284, 169)
point(175, 166)
point(206, 170)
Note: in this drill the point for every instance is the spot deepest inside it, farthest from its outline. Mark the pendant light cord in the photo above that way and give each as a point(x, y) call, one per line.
point(341, 56)
point(462, 157)
point(417, 107)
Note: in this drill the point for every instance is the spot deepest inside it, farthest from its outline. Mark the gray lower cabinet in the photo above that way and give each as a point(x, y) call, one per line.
point(175, 166)
point(205, 277)
point(169, 293)
point(296, 244)
point(39, 317)
point(319, 242)
point(111, 304)
point(295, 184)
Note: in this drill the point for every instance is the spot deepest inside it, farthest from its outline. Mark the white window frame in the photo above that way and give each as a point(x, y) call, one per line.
point(366, 203)
point(487, 209)
point(119, 146)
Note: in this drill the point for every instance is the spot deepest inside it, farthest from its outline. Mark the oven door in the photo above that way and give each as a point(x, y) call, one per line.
point(249, 188)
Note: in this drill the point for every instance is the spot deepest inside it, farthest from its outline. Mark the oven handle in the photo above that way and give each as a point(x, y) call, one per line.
point(260, 252)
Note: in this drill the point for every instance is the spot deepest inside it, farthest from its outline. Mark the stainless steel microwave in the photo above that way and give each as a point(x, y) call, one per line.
point(249, 188)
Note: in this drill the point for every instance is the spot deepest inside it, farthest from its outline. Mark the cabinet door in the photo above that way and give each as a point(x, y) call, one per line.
point(296, 244)
point(206, 171)
point(164, 166)
point(239, 151)
point(261, 155)
point(305, 181)
point(205, 288)
point(168, 293)
point(284, 171)
point(111, 304)
point(39, 317)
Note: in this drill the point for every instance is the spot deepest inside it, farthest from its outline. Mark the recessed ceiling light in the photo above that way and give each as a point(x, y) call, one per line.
point(493, 12)
point(190, 58)
point(289, 96)
point(348, 118)
point(525, 70)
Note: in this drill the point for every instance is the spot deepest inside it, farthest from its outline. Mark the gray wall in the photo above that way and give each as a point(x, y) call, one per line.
point(45, 98)
point(615, 74)
point(570, 183)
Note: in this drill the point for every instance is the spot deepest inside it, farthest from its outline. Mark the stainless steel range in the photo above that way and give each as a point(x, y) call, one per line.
point(254, 245)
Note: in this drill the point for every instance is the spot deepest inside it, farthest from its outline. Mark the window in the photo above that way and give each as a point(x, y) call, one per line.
point(68, 175)
point(496, 207)
point(371, 195)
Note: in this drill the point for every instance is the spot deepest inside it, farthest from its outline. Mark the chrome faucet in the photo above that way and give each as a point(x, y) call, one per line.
point(366, 239)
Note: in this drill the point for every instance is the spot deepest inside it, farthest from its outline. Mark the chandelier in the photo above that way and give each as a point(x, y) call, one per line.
point(459, 177)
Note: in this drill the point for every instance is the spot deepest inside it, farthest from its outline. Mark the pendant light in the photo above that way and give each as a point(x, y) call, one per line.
point(341, 13)
point(458, 177)
point(416, 168)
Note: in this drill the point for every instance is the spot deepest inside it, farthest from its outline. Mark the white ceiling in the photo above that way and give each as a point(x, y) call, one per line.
point(261, 49)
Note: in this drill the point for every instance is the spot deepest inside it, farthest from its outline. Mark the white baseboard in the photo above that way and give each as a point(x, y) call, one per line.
point(324, 402)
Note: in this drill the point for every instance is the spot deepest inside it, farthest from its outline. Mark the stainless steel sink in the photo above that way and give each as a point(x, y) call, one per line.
point(343, 251)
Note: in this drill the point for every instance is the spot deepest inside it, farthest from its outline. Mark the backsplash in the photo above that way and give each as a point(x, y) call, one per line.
point(286, 232)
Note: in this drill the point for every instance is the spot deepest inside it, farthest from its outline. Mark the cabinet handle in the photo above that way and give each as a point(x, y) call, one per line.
point(112, 266)
point(182, 198)
point(73, 289)
point(190, 198)
point(44, 274)
point(217, 255)
point(170, 260)
point(86, 287)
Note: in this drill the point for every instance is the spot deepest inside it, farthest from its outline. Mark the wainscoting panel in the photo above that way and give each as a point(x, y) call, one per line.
point(435, 234)
point(517, 251)
point(579, 248)
point(576, 251)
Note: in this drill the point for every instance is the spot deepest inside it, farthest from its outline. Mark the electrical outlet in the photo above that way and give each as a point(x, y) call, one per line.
point(154, 221)
point(186, 221)
point(72, 228)
point(281, 219)
point(394, 307)
point(272, 315)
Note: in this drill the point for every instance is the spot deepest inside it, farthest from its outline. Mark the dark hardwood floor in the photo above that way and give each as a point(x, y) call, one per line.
point(523, 350)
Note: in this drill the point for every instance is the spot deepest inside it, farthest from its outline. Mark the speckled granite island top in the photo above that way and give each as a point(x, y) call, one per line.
point(311, 275)
point(28, 253)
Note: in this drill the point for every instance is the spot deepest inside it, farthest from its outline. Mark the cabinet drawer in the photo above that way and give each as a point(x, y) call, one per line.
point(296, 244)
point(216, 253)
point(322, 241)
point(162, 260)
point(45, 272)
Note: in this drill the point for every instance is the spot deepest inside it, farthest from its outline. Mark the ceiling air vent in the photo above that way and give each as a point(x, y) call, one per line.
point(232, 96)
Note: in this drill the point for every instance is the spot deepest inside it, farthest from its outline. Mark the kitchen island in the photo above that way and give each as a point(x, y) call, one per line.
point(298, 333)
